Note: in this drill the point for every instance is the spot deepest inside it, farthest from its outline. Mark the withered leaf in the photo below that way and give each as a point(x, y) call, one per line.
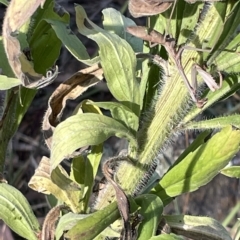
point(48, 229)
point(122, 199)
point(17, 14)
point(65, 189)
point(70, 89)
point(141, 8)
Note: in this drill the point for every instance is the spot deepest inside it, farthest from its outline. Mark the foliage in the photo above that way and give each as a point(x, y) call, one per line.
point(149, 111)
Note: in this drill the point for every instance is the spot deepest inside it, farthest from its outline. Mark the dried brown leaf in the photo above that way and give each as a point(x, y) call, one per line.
point(48, 229)
point(64, 189)
point(140, 8)
point(70, 89)
point(17, 14)
point(122, 199)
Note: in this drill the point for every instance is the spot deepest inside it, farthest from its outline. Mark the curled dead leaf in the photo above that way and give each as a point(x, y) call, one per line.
point(70, 89)
point(141, 8)
point(17, 14)
point(63, 188)
point(122, 199)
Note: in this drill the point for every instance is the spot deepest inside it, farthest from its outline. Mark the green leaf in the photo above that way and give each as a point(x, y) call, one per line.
point(5, 2)
point(233, 172)
point(151, 210)
point(60, 177)
point(66, 222)
point(216, 36)
point(91, 168)
point(17, 104)
point(4, 65)
point(193, 227)
point(84, 168)
point(7, 83)
point(71, 42)
point(45, 47)
point(44, 44)
point(83, 130)
point(202, 138)
point(183, 22)
point(200, 166)
point(215, 123)
point(92, 225)
point(117, 60)
point(229, 32)
point(121, 113)
point(116, 23)
point(230, 86)
point(17, 213)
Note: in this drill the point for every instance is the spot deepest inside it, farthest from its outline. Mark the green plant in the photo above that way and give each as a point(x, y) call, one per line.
point(152, 107)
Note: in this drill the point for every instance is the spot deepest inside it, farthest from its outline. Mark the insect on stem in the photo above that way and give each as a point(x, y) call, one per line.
point(169, 43)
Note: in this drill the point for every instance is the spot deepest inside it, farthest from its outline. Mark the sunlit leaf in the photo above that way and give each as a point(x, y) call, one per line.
point(95, 223)
point(151, 211)
point(7, 83)
point(219, 122)
point(233, 172)
point(117, 60)
point(120, 113)
point(200, 166)
point(194, 226)
point(83, 130)
point(17, 213)
point(66, 222)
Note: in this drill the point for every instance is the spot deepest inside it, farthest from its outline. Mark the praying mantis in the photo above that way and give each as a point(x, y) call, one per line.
point(169, 43)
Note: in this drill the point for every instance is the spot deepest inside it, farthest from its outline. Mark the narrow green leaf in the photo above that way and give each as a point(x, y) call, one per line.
point(193, 227)
point(185, 19)
point(229, 32)
point(121, 113)
point(17, 213)
point(17, 104)
point(215, 123)
point(200, 166)
point(201, 139)
point(60, 177)
point(5, 2)
point(83, 130)
point(117, 59)
point(91, 226)
point(233, 172)
point(221, 11)
point(78, 170)
point(4, 65)
point(151, 210)
point(91, 168)
point(230, 86)
point(7, 83)
point(71, 42)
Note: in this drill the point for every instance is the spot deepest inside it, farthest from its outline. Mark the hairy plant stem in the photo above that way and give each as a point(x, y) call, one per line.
point(171, 103)
point(170, 108)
